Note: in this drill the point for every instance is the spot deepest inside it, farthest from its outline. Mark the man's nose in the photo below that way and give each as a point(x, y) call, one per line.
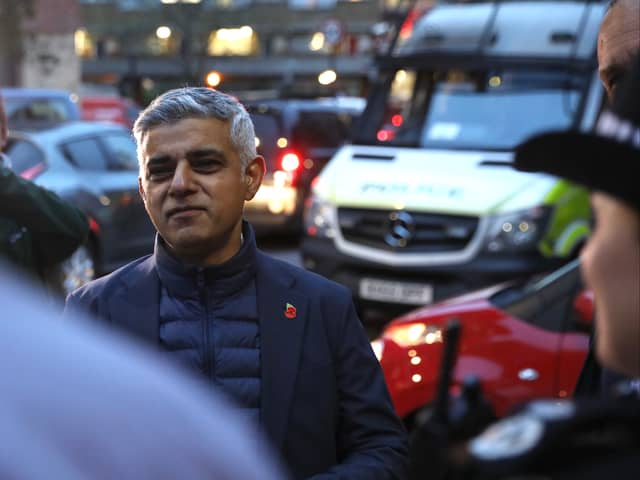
point(182, 181)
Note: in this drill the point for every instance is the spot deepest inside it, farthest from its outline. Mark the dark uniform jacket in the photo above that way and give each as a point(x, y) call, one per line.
point(586, 438)
point(37, 228)
point(324, 402)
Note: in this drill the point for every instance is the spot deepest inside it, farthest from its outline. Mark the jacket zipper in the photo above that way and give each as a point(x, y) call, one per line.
point(204, 298)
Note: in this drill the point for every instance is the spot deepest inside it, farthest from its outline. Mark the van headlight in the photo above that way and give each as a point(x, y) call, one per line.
point(319, 218)
point(517, 231)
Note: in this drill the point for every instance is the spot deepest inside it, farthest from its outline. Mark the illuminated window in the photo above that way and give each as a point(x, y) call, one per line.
point(83, 43)
point(402, 4)
point(233, 41)
point(162, 46)
point(232, 4)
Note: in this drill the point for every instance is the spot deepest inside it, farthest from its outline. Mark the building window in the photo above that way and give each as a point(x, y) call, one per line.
point(233, 41)
point(311, 4)
point(232, 4)
point(160, 43)
point(83, 44)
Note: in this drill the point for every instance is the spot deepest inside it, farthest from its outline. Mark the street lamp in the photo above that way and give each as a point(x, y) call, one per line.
point(327, 77)
point(163, 32)
point(213, 79)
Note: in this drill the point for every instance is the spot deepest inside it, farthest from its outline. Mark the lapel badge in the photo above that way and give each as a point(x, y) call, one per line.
point(289, 311)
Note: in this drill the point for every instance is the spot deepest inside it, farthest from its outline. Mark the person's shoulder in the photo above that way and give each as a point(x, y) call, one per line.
point(304, 280)
point(106, 283)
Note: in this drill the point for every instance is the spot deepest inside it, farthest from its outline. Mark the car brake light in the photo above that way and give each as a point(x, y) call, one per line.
point(290, 162)
point(385, 135)
point(32, 172)
point(407, 26)
point(94, 226)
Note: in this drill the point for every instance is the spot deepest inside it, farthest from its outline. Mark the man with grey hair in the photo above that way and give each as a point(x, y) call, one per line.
point(281, 342)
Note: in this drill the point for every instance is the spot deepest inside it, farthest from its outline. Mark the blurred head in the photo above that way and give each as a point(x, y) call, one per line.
point(606, 161)
point(198, 165)
point(618, 41)
point(611, 268)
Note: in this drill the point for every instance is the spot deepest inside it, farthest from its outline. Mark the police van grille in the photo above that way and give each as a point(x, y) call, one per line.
point(415, 232)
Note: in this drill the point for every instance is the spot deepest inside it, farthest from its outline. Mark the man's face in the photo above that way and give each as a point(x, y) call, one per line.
point(194, 188)
point(618, 42)
point(611, 267)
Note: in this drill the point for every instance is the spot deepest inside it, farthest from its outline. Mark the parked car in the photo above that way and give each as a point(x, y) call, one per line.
point(109, 108)
point(29, 106)
point(522, 341)
point(95, 167)
point(297, 137)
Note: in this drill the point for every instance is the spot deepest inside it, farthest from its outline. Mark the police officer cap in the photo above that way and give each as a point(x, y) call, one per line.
point(605, 159)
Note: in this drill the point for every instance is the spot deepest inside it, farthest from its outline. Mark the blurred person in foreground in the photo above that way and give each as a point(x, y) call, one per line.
point(589, 437)
point(618, 44)
point(38, 230)
point(284, 344)
point(80, 403)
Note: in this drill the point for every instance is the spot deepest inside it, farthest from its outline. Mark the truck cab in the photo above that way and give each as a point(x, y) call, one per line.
point(425, 203)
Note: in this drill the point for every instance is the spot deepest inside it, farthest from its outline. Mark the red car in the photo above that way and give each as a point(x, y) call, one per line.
point(522, 341)
point(109, 108)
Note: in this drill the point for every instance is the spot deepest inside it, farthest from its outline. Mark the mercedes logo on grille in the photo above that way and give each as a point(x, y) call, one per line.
point(401, 229)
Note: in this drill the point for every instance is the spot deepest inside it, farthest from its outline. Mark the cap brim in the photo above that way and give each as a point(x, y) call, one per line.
point(595, 162)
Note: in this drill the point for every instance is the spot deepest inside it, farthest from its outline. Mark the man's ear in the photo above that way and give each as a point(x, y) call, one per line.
point(141, 190)
point(253, 175)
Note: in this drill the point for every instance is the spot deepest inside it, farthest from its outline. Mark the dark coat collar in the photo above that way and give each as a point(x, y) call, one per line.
point(185, 281)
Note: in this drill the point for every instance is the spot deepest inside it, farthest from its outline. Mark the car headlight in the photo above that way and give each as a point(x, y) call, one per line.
point(377, 346)
point(517, 231)
point(319, 218)
point(413, 334)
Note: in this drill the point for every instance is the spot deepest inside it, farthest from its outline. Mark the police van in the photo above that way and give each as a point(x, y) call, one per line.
point(425, 203)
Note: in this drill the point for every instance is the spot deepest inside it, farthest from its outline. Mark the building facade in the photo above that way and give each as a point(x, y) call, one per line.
point(37, 47)
point(250, 47)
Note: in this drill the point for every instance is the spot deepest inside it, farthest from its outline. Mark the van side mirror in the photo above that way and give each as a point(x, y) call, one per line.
point(583, 306)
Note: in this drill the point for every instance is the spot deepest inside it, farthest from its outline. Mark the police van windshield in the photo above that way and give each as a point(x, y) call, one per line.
point(472, 110)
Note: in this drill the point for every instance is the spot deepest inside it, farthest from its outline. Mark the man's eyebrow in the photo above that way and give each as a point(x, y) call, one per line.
point(195, 154)
point(205, 152)
point(159, 160)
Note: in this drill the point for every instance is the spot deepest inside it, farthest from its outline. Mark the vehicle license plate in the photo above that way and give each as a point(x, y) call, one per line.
point(397, 292)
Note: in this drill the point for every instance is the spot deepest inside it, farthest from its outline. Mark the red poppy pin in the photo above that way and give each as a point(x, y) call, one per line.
point(290, 311)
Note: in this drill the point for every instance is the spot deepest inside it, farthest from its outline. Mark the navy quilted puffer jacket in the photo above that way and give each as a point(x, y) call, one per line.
point(209, 321)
